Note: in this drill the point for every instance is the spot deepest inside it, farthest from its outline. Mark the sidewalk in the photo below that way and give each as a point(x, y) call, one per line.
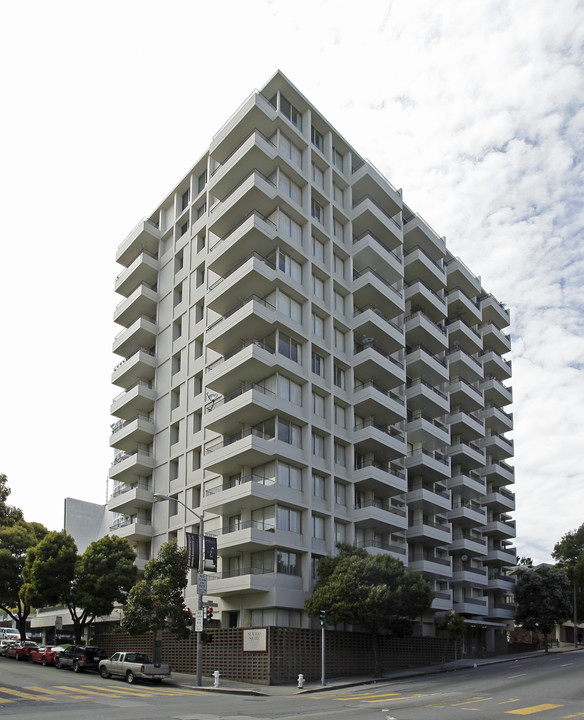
point(187, 680)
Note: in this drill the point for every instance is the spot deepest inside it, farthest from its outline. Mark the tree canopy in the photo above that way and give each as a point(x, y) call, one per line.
point(569, 555)
point(88, 585)
point(157, 601)
point(8, 513)
point(543, 599)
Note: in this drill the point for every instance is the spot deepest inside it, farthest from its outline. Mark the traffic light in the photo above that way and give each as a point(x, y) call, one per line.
point(209, 614)
point(322, 616)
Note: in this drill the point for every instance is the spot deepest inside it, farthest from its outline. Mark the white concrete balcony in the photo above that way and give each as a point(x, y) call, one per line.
point(461, 335)
point(129, 498)
point(251, 536)
point(463, 365)
point(381, 515)
point(228, 497)
point(421, 330)
point(370, 322)
point(498, 473)
point(418, 265)
point(500, 556)
point(431, 565)
point(432, 433)
point(371, 400)
point(141, 302)
point(249, 447)
point(495, 339)
point(141, 333)
point(465, 425)
point(143, 269)
point(500, 529)
point(367, 180)
point(371, 289)
point(470, 486)
point(468, 514)
point(384, 442)
point(498, 582)
point(496, 419)
point(251, 403)
point(466, 454)
point(423, 396)
point(254, 193)
point(496, 393)
point(127, 434)
point(417, 233)
point(468, 543)
point(502, 611)
point(368, 216)
point(465, 396)
point(371, 251)
point(429, 533)
point(495, 366)
point(497, 447)
point(242, 280)
point(249, 318)
point(133, 529)
point(140, 365)
point(130, 466)
point(462, 306)
point(138, 398)
point(384, 478)
point(495, 312)
point(475, 577)
point(420, 362)
point(255, 233)
point(378, 547)
point(433, 501)
point(470, 606)
point(145, 236)
point(427, 300)
point(371, 361)
point(442, 600)
point(500, 501)
point(254, 359)
point(241, 581)
point(459, 276)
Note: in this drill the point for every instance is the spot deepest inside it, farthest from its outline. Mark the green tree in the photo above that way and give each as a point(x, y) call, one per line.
point(16, 538)
point(455, 626)
point(543, 599)
point(8, 513)
point(157, 601)
point(374, 592)
point(88, 585)
point(569, 554)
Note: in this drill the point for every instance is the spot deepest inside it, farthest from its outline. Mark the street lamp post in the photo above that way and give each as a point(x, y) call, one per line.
point(161, 496)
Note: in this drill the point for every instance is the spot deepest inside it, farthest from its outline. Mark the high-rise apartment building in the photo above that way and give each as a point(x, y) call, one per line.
point(305, 362)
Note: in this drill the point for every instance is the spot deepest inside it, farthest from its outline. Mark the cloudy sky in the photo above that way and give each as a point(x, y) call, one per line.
point(475, 109)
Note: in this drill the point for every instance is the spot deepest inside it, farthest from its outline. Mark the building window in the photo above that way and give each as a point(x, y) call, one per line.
point(201, 210)
point(289, 307)
point(319, 486)
point(173, 472)
point(340, 494)
point(317, 445)
point(289, 433)
point(317, 364)
point(185, 198)
point(184, 227)
point(317, 249)
point(316, 210)
point(289, 348)
point(290, 151)
point(318, 404)
point(289, 266)
point(318, 287)
point(289, 111)
point(338, 230)
point(339, 265)
point(289, 519)
point(317, 527)
point(339, 340)
point(337, 159)
point(340, 451)
point(339, 378)
point(289, 476)
point(317, 325)
point(289, 188)
point(317, 176)
point(339, 302)
point(202, 181)
point(317, 138)
point(338, 194)
point(287, 563)
point(340, 532)
point(340, 416)
point(263, 561)
point(289, 227)
point(289, 390)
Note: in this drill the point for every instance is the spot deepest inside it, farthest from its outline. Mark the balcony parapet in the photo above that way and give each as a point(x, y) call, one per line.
point(251, 432)
point(242, 303)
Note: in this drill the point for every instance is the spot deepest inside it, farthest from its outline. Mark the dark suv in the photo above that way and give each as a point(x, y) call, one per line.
point(80, 658)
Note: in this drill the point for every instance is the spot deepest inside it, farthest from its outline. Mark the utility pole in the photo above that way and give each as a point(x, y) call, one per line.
point(322, 647)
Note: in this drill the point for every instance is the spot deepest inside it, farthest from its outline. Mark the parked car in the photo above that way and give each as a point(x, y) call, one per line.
point(21, 650)
point(79, 658)
point(133, 666)
point(44, 655)
point(4, 645)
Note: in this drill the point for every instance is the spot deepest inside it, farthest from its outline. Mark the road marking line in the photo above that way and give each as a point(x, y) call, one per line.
point(533, 709)
point(367, 695)
point(512, 677)
point(86, 692)
point(577, 715)
point(122, 691)
point(480, 698)
point(400, 697)
point(26, 696)
point(566, 664)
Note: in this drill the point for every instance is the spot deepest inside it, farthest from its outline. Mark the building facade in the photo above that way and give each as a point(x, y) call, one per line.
point(304, 361)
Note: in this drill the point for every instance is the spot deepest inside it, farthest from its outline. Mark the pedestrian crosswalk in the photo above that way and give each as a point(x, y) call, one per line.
point(113, 691)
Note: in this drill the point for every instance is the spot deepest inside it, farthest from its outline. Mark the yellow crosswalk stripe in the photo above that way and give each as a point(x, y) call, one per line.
point(533, 709)
point(86, 692)
point(49, 691)
point(25, 696)
point(123, 691)
point(363, 696)
point(472, 700)
point(398, 697)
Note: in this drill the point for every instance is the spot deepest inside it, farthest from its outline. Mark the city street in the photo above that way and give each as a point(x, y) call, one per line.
point(544, 687)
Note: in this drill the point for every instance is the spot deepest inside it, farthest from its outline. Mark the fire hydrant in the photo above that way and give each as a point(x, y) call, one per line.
point(216, 675)
point(300, 681)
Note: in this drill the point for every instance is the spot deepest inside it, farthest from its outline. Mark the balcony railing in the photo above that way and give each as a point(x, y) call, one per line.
point(382, 546)
point(359, 347)
point(380, 505)
point(238, 225)
point(251, 432)
point(258, 343)
point(240, 572)
point(133, 355)
point(392, 432)
point(384, 467)
point(370, 271)
point(239, 305)
point(240, 481)
point(368, 233)
point(247, 525)
point(253, 254)
point(388, 393)
point(213, 404)
point(358, 311)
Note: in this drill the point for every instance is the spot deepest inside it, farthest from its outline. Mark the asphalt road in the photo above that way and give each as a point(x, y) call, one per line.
point(542, 688)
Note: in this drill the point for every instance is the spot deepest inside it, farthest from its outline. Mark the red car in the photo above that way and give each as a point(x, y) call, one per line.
point(43, 655)
point(21, 650)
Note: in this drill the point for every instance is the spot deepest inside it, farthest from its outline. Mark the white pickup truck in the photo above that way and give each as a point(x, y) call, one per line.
point(133, 666)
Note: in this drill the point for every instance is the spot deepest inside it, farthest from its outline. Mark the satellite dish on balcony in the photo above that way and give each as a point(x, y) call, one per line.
point(464, 558)
point(368, 340)
point(212, 396)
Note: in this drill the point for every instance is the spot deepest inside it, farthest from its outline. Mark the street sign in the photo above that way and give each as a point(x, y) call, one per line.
point(201, 584)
